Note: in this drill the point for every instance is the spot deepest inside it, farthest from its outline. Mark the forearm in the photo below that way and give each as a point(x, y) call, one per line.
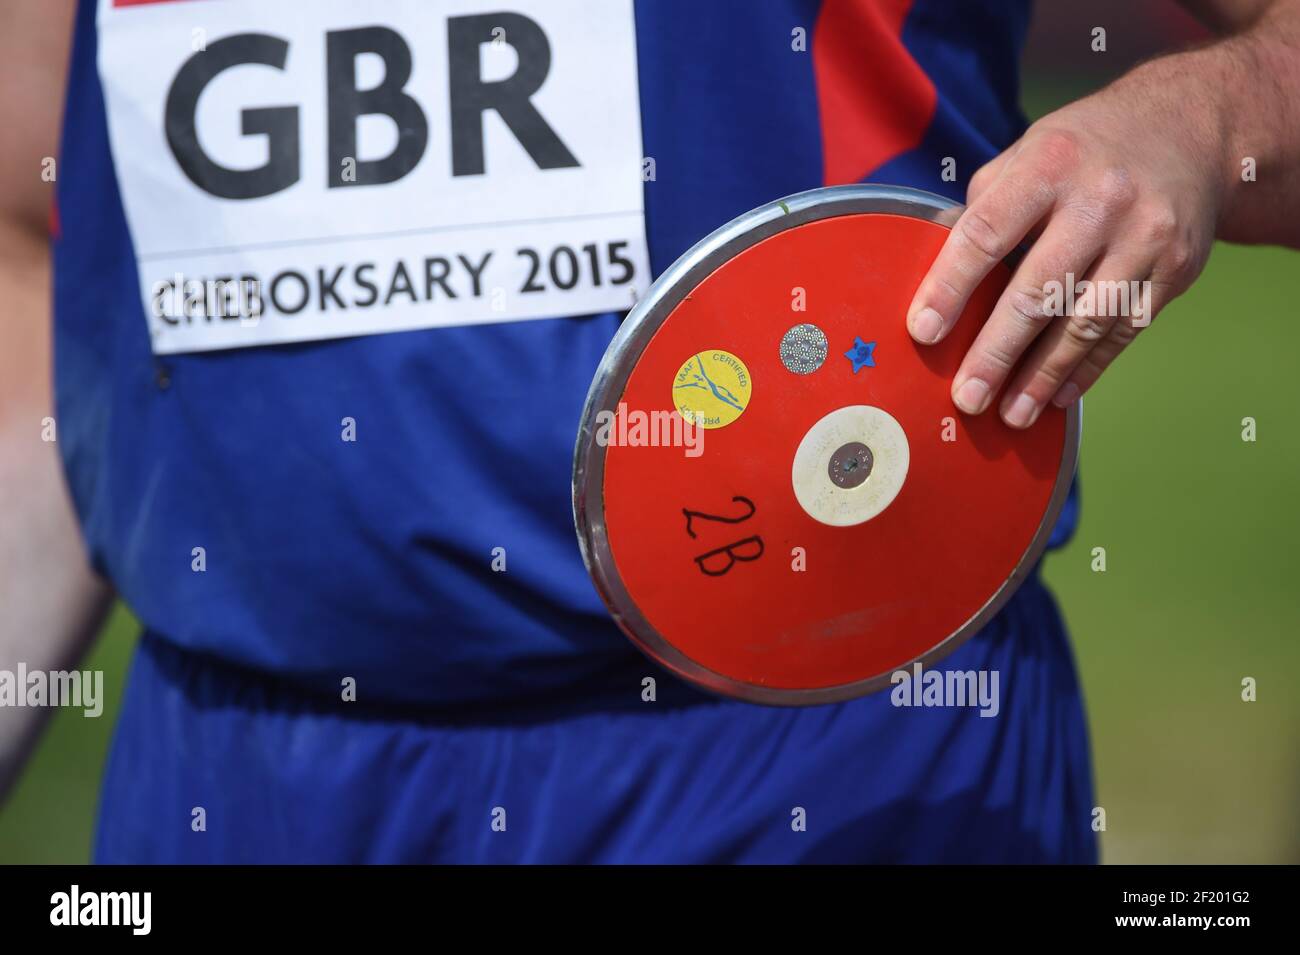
point(1239, 98)
point(50, 602)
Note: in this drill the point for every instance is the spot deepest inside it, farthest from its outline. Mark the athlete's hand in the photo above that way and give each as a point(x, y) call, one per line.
point(1124, 186)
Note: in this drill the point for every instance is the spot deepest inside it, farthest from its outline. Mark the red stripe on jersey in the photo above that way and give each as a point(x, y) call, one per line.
point(875, 101)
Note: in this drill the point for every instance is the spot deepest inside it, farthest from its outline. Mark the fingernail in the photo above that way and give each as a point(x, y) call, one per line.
point(926, 326)
point(1067, 396)
point(1022, 413)
point(973, 396)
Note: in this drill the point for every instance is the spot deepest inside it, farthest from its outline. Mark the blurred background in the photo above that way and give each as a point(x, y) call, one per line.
point(1199, 529)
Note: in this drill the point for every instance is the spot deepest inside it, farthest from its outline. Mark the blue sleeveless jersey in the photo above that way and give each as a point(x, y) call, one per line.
point(484, 696)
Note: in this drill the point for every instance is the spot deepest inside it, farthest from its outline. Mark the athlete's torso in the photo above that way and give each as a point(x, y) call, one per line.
point(373, 480)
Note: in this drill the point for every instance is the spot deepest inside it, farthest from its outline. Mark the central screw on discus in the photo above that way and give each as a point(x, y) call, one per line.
point(850, 465)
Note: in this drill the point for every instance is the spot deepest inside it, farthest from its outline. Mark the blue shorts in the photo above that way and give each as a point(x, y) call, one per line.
point(284, 777)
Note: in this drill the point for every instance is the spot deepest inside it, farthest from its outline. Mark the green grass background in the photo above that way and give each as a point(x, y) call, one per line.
point(1200, 531)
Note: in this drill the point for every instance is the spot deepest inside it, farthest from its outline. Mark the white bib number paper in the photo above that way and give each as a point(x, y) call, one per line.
point(294, 171)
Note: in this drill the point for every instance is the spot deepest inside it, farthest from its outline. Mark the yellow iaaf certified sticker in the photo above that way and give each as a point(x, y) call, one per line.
point(712, 389)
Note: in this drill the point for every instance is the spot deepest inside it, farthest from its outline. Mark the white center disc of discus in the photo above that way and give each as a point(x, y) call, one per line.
point(850, 465)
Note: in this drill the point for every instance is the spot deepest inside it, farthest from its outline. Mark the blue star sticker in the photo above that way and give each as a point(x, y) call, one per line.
point(861, 355)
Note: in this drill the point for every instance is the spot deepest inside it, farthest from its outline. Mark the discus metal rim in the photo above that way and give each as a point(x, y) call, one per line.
point(621, 357)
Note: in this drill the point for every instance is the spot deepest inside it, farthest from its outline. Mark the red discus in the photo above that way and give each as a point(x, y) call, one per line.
point(774, 493)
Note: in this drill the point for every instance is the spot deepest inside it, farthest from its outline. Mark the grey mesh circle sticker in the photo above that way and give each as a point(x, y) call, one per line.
point(803, 349)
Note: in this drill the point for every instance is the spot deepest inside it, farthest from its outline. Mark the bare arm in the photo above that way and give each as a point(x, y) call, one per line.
point(1261, 69)
point(1126, 188)
point(50, 601)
